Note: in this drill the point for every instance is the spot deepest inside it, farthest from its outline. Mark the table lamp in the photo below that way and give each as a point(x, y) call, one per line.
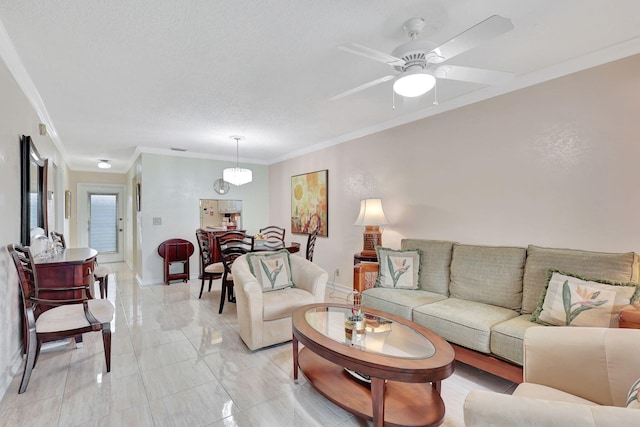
point(371, 217)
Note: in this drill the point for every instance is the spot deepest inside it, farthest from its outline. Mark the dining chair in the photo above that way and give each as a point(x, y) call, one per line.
point(64, 318)
point(273, 232)
point(231, 245)
point(209, 270)
point(311, 244)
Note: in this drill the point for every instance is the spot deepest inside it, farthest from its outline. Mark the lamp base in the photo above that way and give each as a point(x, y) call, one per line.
point(371, 237)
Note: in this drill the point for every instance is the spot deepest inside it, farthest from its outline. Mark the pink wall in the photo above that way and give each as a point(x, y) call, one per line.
point(554, 165)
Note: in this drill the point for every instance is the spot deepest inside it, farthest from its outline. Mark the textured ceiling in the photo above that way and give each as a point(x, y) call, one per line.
point(118, 77)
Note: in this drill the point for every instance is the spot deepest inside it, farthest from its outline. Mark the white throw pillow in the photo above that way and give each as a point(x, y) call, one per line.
point(399, 269)
point(633, 398)
point(571, 301)
point(272, 269)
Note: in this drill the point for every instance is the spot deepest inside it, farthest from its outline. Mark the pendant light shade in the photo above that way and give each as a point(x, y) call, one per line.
point(237, 175)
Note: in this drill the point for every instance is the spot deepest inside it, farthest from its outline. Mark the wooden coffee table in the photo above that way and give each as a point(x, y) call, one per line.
point(405, 363)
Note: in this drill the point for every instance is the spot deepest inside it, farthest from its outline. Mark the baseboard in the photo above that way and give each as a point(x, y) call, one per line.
point(11, 371)
point(340, 288)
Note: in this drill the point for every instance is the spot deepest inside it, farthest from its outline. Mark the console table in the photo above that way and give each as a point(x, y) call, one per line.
point(67, 268)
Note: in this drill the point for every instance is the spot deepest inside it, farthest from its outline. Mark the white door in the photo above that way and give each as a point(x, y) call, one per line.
point(100, 220)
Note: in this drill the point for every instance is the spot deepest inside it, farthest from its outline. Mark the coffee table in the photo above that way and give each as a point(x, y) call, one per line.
point(405, 363)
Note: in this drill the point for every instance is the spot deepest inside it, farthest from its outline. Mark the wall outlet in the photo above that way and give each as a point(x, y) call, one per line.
point(157, 220)
point(337, 272)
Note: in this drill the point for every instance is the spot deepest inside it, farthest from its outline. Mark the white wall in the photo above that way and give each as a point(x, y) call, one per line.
point(553, 165)
point(17, 117)
point(171, 190)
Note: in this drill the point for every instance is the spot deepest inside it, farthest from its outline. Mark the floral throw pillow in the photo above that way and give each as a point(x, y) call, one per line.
point(572, 301)
point(399, 269)
point(272, 269)
point(633, 398)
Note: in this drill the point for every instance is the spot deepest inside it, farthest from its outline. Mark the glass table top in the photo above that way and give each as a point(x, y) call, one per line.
point(381, 336)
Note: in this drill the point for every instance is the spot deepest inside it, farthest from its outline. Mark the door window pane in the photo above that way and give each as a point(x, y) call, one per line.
point(103, 210)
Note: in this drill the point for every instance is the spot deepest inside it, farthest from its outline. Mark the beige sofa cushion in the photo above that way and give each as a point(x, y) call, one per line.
point(466, 323)
point(436, 259)
point(488, 274)
point(621, 267)
point(507, 338)
point(399, 302)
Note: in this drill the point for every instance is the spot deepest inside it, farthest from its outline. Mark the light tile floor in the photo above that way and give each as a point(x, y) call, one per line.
point(177, 362)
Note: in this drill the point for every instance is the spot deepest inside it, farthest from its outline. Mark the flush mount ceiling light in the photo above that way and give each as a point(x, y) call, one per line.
point(414, 82)
point(104, 164)
point(237, 175)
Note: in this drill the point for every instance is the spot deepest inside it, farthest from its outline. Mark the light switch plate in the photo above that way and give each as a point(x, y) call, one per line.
point(157, 220)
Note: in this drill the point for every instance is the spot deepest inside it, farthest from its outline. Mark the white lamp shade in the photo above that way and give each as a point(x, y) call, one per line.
point(412, 84)
point(237, 176)
point(371, 213)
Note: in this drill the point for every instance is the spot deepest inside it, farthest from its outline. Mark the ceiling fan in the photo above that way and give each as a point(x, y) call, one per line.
point(418, 60)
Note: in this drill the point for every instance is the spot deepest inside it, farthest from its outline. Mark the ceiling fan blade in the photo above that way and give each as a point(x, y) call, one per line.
point(371, 54)
point(473, 75)
point(362, 87)
point(486, 30)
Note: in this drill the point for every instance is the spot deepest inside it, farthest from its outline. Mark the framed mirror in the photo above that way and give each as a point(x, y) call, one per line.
point(33, 183)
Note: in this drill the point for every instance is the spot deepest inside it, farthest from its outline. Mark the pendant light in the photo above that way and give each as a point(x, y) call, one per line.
point(237, 175)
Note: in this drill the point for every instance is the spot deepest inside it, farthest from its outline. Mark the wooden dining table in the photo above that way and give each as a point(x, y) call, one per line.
point(259, 246)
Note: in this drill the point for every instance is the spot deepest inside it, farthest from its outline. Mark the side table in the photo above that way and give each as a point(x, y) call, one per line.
point(357, 258)
point(629, 318)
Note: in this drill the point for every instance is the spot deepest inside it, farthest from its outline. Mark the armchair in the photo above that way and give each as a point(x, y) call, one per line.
point(264, 318)
point(572, 377)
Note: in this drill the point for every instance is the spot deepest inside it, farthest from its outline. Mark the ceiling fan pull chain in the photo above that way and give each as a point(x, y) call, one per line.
point(435, 93)
point(393, 98)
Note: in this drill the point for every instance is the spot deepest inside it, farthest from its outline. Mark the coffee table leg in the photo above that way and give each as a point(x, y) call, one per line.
point(295, 358)
point(377, 400)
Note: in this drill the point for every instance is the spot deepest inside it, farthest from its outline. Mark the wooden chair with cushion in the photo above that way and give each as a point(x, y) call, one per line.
point(272, 238)
point(48, 320)
point(311, 244)
point(273, 232)
point(231, 245)
point(209, 270)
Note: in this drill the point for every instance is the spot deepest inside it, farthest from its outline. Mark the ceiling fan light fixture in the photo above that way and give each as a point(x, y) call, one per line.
point(414, 83)
point(237, 176)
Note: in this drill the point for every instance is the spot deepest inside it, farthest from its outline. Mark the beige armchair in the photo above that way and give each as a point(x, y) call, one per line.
point(572, 377)
point(264, 318)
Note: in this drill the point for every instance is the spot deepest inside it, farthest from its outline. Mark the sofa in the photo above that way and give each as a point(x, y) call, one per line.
point(591, 380)
point(481, 298)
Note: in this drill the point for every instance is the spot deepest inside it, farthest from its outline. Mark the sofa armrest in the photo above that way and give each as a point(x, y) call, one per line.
point(310, 277)
point(485, 408)
point(364, 275)
point(597, 364)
